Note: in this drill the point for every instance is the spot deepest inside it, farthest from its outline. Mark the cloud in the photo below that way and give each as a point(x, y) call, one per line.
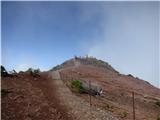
point(22, 67)
point(130, 39)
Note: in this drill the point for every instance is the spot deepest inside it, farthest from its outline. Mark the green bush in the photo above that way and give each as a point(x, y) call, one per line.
point(77, 84)
point(123, 114)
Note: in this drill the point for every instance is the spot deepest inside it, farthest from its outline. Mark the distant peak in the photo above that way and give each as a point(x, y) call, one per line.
point(86, 60)
point(89, 60)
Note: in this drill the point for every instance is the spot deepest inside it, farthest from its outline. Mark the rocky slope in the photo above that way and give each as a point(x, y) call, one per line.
point(117, 88)
point(25, 97)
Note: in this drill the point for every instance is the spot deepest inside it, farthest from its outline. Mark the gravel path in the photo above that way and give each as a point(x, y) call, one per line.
point(78, 108)
point(55, 75)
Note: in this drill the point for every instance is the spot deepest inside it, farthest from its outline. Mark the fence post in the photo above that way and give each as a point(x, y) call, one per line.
point(90, 92)
point(133, 106)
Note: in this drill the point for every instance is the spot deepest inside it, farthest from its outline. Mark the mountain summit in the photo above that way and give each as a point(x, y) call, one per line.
point(76, 61)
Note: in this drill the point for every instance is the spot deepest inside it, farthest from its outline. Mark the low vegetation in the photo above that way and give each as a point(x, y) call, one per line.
point(130, 75)
point(34, 72)
point(4, 72)
point(77, 86)
point(123, 114)
point(109, 107)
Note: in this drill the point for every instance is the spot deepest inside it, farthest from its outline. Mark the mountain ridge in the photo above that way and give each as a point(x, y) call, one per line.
point(93, 62)
point(85, 61)
point(117, 88)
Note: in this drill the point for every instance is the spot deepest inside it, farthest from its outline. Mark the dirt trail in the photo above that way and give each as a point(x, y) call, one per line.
point(78, 108)
point(55, 75)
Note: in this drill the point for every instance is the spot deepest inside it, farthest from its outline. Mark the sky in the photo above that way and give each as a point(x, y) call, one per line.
point(44, 34)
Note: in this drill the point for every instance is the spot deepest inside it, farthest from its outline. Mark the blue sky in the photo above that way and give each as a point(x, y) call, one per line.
point(44, 34)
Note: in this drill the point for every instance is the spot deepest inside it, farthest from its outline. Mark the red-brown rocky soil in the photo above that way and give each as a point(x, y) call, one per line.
point(30, 98)
point(117, 89)
point(49, 97)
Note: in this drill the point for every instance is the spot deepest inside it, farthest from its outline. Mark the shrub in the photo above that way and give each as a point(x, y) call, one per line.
point(109, 107)
point(36, 71)
point(158, 103)
point(124, 114)
point(29, 70)
point(77, 84)
point(21, 71)
point(4, 72)
point(130, 75)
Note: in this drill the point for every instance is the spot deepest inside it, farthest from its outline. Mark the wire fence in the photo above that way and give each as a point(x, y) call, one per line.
point(68, 77)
